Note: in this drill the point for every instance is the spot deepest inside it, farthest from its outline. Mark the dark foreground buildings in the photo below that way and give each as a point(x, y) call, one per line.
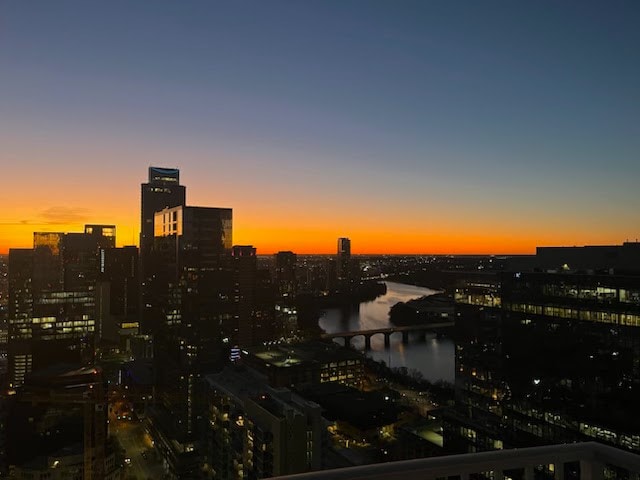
point(558, 360)
point(58, 427)
point(163, 190)
point(190, 299)
point(547, 351)
point(257, 431)
point(202, 297)
point(70, 298)
point(52, 300)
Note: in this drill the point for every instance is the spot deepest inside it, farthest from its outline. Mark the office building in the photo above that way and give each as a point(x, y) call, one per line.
point(254, 297)
point(622, 259)
point(20, 313)
point(58, 426)
point(573, 347)
point(306, 363)
point(343, 261)
point(285, 274)
point(245, 271)
point(191, 297)
point(556, 360)
point(163, 190)
point(347, 273)
point(53, 300)
point(4, 309)
point(286, 285)
point(117, 296)
point(344, 247)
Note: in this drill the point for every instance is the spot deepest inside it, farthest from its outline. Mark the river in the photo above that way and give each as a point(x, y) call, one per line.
point(435, 358)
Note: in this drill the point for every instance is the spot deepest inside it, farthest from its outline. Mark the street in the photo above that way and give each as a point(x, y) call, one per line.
point(143, 463)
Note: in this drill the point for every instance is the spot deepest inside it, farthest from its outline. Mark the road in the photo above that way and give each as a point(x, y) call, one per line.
point(135, 441)
point(413, 398)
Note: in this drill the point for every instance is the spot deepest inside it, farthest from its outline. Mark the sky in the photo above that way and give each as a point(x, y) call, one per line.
point(408, 126)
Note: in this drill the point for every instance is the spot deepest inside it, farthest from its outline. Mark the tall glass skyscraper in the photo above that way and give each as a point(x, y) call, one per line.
point(163, 190)
point(191, 295)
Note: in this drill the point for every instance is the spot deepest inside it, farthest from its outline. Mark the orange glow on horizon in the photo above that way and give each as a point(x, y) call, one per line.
point(277, 212)
point(322, 239)
point(305, 224)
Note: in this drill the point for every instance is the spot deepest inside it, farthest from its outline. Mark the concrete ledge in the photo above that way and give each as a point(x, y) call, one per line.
point(591, 455)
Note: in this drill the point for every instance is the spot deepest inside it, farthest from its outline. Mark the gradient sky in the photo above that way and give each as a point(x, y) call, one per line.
point(408, 126)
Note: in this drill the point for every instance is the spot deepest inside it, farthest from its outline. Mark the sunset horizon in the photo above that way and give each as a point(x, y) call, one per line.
point(445, 129)
point(319, 239)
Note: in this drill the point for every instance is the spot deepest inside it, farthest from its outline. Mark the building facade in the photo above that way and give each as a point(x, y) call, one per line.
point(52, 314)
point(162, 190)
point(191, 298)
point(256, 431)
point(558, 361)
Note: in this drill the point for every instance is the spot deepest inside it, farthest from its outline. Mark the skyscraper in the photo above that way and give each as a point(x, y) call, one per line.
point(254, 296)
point(163, 190)
point(117, 294)
point(20, 312)
point(191, 294)
point(245, 269)
point(286, 285)
point(549, 357)
point(52, 299)
point(285, 274)
point(343, 263)
point(344, 247)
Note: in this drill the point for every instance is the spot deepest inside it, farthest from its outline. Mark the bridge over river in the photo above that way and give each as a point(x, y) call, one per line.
point(387, 332)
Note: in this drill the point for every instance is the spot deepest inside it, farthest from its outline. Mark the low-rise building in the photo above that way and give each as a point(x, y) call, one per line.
point(306, 363)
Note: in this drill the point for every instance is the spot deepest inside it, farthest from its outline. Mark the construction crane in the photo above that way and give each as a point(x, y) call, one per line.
point(89, 393)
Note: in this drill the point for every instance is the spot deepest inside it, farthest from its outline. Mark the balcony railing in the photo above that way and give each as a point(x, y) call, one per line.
point(585, 461)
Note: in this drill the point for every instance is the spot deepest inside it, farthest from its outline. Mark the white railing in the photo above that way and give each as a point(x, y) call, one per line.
point(592, 457)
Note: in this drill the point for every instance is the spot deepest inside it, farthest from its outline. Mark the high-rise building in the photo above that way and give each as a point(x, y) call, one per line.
point(344, 257)
point(20, 313)
point(286, 284)
point(190, 294)
point(285, 274)
point(549, 357)
point(245, 271)
point(117, 295)
point(254, 296)
point(58, 426)
point(257, 431)
point(52, 300)
point(163, 190)
point(347, 269)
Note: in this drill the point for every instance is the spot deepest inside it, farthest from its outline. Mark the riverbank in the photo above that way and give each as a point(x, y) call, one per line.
point(428, 309)
point(441, 392)
point(311, 307)
point(434, 358)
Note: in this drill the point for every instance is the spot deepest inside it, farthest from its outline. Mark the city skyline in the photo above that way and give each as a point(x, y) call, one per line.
point(430, 128)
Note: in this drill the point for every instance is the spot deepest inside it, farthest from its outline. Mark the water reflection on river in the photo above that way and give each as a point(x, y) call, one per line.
point(435, 358)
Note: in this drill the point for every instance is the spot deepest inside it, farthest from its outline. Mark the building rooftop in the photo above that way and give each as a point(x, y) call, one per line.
point(244, 383)
point(364, 410)
point(283, 355)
